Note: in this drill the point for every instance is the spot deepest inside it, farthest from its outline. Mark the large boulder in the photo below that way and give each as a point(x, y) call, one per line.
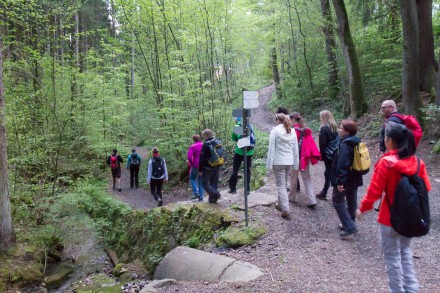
point(184, 263)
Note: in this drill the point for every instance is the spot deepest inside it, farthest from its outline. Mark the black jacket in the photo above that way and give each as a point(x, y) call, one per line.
point(326, 135)
point(342, 161)
point(390, 117)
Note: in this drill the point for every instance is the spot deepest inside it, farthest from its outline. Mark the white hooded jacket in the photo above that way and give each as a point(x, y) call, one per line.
point(283, 148)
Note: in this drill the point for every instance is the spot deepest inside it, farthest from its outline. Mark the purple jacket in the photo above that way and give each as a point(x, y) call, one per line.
point(194, 154)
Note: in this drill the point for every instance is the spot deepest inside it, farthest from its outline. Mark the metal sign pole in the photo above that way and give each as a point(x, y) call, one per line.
point(244, 124)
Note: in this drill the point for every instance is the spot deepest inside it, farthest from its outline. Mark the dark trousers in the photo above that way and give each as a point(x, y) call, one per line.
point(327, 176)
point(134, 176)
point(210, 178)
point(345, 204)
point(238, 159)
point(156, 188)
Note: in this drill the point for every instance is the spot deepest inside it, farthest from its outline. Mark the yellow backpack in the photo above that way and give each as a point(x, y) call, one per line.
point(361, 160)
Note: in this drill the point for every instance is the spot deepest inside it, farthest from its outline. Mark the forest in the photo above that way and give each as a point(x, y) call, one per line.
point(81, 77)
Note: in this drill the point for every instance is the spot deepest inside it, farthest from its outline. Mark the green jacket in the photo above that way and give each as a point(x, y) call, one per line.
point(239, 151)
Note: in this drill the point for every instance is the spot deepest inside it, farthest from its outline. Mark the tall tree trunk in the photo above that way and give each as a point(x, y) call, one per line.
point(276, 74)
point(133, 43)
point(437, 95)
point(309, 70)
point(6, 231)
point(358, 105)
point(427, 65)
point(410, 74)
point(330, 48)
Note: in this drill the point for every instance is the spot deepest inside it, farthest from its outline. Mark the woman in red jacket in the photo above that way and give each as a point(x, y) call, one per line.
point(399, 159)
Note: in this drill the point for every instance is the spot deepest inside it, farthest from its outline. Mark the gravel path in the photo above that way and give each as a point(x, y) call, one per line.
point(306, 254)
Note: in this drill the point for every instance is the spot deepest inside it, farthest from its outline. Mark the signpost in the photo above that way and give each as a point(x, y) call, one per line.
point(250, 101)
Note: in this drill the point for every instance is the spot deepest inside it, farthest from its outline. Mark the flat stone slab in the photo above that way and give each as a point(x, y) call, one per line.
point(184, 263)
point(259, 199)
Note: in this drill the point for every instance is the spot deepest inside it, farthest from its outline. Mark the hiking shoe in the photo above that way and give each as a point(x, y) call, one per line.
point(348, 233)
point(120, 189)
point(159, 204)
point(341, 227)
point(321, 196)
point(194, 196)
point(285, 215)
point(232, 191)
point(200, 198)
point(311, 206)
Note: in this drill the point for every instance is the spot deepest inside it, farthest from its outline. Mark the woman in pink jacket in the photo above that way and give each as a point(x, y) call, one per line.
point(193, 160)
point(308, 154)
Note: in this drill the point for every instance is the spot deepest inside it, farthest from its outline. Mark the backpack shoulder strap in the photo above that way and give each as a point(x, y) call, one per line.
point(398, 115)
point(418, 166)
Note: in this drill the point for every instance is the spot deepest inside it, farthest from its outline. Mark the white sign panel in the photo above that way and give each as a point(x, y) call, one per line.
point(250, 95)
point(250, 99)
point(245, 141)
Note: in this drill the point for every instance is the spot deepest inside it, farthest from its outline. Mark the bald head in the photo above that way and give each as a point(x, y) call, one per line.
point(388, 107)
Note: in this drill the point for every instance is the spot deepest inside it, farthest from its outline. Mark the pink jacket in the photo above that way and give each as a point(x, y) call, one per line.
point(194, 154)
point(309, 151)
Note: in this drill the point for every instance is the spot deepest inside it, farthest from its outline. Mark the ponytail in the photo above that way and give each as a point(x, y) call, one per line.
point(283, 119)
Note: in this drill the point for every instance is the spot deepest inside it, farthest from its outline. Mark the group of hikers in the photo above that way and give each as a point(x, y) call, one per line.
point(291, 153)
point(398, 176)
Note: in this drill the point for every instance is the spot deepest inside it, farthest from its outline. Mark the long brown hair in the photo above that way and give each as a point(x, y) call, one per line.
point(283, 119)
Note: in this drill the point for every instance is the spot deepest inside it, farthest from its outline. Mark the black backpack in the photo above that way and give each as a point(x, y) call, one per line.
point(158, 167)
point(409, 212)
point(331, 147)
point(135, 160)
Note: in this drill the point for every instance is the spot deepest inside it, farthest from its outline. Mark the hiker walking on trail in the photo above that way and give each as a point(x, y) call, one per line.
point(346, 181)
point(157, 174)
point(239, 158)
point(397, 161)
point(390, 113)
point(388, 109)
point(282, 155)
point(328, 142)
point(193, 157)
point(115, 161)
point(211, 159)
point(133, 164)
point(308, 155)
point(298, 185)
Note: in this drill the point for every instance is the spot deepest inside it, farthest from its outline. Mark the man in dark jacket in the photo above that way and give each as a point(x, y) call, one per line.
point(388, 109)
point(133, 164)
point(345, 181)
point(210, 175)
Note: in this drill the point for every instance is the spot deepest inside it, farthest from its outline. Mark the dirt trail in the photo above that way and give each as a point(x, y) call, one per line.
point(306, 254)
point(141, 198)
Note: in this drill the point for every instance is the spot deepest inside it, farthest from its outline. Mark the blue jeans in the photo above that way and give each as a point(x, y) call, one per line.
point(398, 261)
point(196, 183)
point(210, 178)
point(345, 204)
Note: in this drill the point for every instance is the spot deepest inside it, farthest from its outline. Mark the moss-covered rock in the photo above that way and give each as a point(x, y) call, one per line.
point(235, 237)
point(58, 276)
point(98, 283)
point(119, 269)
point(437, 147)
